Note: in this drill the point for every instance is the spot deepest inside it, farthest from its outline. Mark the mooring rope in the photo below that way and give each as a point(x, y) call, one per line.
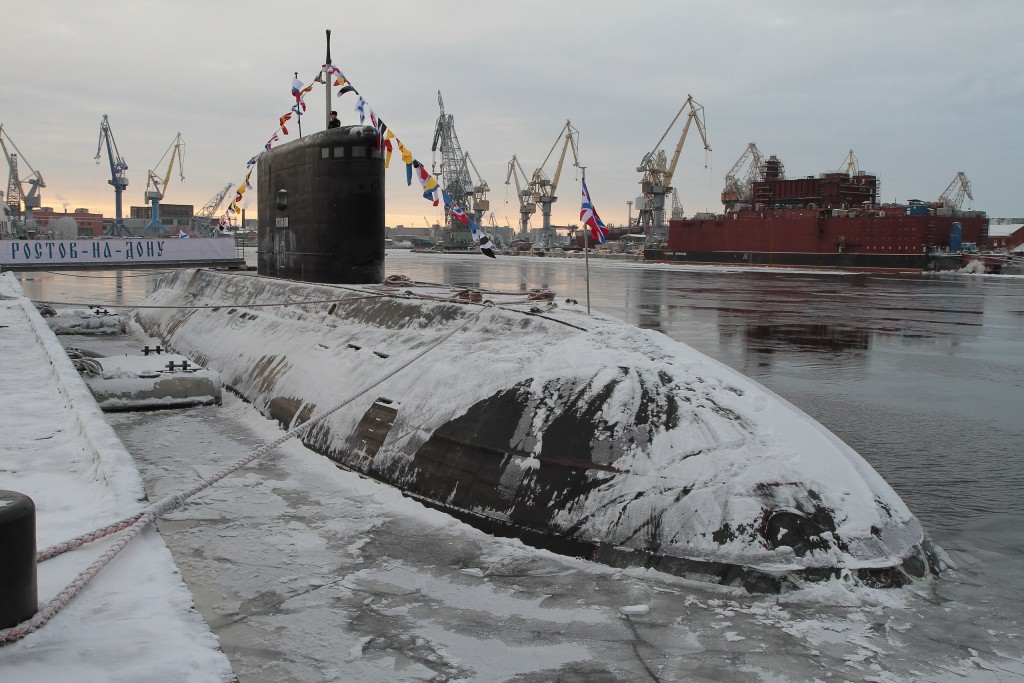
point(392, 281)
point(214, 306)
point(136, 524)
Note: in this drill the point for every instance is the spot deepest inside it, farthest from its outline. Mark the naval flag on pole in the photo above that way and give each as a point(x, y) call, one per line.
point(588, 214)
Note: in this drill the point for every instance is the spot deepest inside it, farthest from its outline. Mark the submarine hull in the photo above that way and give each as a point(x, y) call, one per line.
point(641, 452)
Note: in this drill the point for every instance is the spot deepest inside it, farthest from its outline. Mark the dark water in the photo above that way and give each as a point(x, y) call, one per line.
point(924, 376)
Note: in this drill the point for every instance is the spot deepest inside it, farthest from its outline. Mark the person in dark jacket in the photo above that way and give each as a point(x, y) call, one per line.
point(334, 122)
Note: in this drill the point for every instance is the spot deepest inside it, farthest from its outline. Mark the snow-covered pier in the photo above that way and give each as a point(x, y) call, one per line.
point(135, 620)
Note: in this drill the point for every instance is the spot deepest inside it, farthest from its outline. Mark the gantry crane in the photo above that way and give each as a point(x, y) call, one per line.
point(544, 188)
point(202, 221)
point(454, 175)
point(740, 179)
point(527, 201)
point(480, 203)
point(16, 197)
point(953, 195)
point(658, 172)
point(159, 185)
point(117, 177)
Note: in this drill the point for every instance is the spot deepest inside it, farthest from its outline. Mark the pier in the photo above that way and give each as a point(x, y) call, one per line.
point(60, 452)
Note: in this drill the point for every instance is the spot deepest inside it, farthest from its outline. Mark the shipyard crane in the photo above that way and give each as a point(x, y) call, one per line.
point(492, 223)
point(159, 185)
point(677, 206)
point(658, 172)
point(6, 233)
point(953, 195)
point(454, 174)
point(117, 177)
point(739, 181)
point(480, 202)
point(544, 188)
point(527, 200)
point(850, 166)
point(202, 221)
point(16, 197)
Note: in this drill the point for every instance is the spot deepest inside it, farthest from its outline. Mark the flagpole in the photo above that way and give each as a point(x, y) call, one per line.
point(298, 109)
point(327, 79)
point(586, 249)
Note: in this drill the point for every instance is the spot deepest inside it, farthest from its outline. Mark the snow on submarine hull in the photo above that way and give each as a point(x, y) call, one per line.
point(639, 452)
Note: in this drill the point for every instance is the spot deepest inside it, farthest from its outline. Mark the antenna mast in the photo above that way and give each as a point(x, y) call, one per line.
point(327, 80)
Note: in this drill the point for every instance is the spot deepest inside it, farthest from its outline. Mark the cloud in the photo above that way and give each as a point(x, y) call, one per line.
point(920, 90)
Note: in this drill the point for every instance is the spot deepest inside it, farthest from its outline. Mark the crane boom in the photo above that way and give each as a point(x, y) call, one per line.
point(850, 165)
point(13, 183)
point(545, 189)
point(740, 179)
point(527, 204)
point(696, 114)
point(203, 218)
point(177, 152)
point(958, 188)
point(455, 178)
point(159, 185)
point(117, 177)
point(658, 173)
point(479, 191)
point(16, 196)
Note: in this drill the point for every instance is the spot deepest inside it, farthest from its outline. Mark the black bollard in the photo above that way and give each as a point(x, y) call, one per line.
point(19, 598)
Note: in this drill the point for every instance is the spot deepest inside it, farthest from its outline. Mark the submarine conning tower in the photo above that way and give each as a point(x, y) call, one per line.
point(321, 208)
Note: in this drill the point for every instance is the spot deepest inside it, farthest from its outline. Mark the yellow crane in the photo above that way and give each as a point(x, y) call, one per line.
point(740, 179)
point(543, 188)
point(159, 185)
point(850, 165)
point(953, 195)
point(479, 191)
point(658, 172)
point(527, 202)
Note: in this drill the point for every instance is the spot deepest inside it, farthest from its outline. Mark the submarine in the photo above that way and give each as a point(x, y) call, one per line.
point(638, 452)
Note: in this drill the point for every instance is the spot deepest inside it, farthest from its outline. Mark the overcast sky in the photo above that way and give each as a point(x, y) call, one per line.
point(918, 89)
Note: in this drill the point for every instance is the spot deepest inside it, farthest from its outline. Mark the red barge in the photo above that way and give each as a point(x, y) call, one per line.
point(830, 221)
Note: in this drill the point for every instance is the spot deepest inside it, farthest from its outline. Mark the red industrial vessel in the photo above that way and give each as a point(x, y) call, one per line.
point(830, 221)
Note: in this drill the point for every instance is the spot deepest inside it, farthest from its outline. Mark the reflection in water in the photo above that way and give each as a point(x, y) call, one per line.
point(650, 317)
point(805, 336)
point(107, 287)
point(452, 275)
